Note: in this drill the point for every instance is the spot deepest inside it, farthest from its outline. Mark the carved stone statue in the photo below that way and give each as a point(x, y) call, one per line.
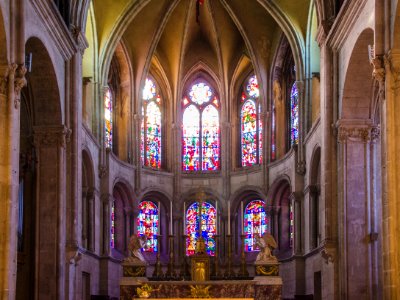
point(136, 243)
point(266, 243)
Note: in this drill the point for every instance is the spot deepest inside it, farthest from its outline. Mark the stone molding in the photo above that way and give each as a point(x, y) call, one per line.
point(51, 136)
point(56, 27)
point(358, 133)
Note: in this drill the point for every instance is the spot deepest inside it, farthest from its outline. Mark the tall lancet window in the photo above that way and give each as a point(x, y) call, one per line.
point(294, 115)
point(201, 130)
point(256, 221)
point(108, 111)
point(151, 126)
point(201, 222)
point(148, 224)
point(251, 124)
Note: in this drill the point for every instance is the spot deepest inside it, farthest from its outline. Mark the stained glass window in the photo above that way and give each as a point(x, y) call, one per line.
point(108, 108)
point(201, 132)
point(148, 224)
point(255, 222)
point(201, 222)
point(251, 124)
point(249, 133)
point(112, 227)
point(150, 147)
point(294, 114)
point(291, 226)
point(273, 143)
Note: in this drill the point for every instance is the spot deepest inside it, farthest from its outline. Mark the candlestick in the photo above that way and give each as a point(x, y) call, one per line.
point(158, 216)
point(216, 217)
point(242, 214)
point(170, 219)
point(229, 218)
point(184, 219)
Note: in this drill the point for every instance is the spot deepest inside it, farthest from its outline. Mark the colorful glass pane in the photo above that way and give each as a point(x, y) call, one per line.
point(149, 90)
point(153, 136)
point(255, 222)
point(248, 116)
point(253, 88)
point(142, 137)
point(200, 93)
point(108, 106)
point(291, 226)
point(210, 138)
point(191, 139)
point(203, 221)
point(273, 145)
point(294, 116)
point(112, 227)
point(260, 136)
point(148, 224)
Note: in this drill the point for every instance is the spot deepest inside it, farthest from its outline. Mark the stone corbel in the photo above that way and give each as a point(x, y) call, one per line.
point(19, 83)
point(80, 39)
point(379, 74)
point(296, 196)
point(103, 171)
point(301, 167)
point(328, 252)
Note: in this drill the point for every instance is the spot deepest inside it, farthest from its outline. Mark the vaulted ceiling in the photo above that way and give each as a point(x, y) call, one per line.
point(227, 37)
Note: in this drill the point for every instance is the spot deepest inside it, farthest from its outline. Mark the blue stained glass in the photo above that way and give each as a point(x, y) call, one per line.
point(255, 222)
point(207, 220)
point(294, 115)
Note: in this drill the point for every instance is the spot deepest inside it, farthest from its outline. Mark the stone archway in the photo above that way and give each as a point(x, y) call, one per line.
point(49, 140)
point(358, 206)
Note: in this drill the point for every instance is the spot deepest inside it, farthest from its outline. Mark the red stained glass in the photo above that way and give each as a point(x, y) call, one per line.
point(249, 133)
point(148, 224)
point(203, 221)
point(210, 138)
point(255, 222)
point(108, 107)
point(294, 115)
point(191, 139)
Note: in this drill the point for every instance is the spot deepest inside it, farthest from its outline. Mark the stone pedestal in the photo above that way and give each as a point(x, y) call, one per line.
point(136, 269)
point(266, 269)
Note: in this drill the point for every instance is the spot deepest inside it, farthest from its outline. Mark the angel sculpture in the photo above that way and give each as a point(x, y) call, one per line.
point(136, 243)
point(266, 243)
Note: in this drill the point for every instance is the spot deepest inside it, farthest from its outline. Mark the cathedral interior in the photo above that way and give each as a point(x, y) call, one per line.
point(187, 120)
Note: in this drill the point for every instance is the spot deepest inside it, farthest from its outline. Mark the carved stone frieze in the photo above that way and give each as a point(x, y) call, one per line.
point(51, 136)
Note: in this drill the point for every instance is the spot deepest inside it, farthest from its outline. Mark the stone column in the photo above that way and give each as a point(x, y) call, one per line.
point(85, 219)
point(355, 264)
point(91, 220)
point(295, 200)
point(50, 144)
point(11, 82)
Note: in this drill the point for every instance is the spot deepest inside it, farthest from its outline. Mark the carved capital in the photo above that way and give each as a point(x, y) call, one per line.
point(356, 133)
point(296, 196)
point(392, 63)
point(328, 251)
point(19, 83)
point(51, 136)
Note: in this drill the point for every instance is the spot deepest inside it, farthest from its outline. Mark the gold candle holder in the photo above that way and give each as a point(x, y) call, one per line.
point(229, 273)
point(171, 266)
point(243, 266)
point(216, 258)
point(184, 268)
point(158, 268)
